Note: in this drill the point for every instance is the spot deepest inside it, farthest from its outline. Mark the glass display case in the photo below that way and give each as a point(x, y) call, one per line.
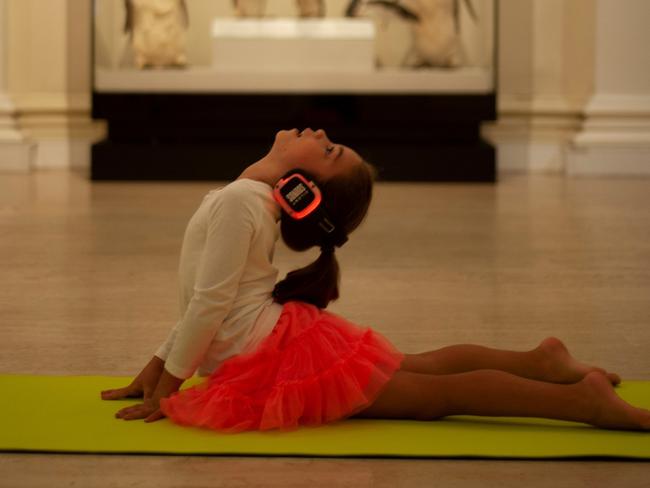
point(196, 89)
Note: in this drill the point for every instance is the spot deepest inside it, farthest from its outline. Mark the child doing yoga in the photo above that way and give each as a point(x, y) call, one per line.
point(274, 357)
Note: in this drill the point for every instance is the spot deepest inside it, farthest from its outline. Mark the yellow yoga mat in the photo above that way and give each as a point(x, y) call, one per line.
point(66, 414)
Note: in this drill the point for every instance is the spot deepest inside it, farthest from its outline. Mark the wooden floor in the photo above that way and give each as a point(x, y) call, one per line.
point(89, 287)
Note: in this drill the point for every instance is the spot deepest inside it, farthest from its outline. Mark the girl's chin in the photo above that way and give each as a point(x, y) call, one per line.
point(286, 135)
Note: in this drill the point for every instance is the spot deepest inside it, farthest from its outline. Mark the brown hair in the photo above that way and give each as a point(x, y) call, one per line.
point(346, 199)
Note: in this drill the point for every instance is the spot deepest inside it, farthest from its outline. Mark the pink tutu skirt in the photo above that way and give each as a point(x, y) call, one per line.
point(315, 367)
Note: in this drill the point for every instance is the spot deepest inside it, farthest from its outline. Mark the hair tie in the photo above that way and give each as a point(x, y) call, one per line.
point(327, 248)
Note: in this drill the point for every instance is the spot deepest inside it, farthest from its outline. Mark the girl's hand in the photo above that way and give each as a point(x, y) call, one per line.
point(149, 410)
point(142, 386)
point(134, 390)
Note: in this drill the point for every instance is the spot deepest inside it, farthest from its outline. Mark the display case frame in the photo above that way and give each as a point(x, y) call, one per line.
point(204, 130)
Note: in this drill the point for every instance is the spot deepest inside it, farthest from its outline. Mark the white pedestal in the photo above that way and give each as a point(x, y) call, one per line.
point(293, 45)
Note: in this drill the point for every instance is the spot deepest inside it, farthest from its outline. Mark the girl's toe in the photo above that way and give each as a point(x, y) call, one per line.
point(614, 378)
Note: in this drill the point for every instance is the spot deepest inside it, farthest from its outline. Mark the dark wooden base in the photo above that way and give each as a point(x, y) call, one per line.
point(201, 161)
point(214, 137)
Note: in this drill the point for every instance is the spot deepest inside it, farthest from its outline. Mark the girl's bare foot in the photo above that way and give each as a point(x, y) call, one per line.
point(609, 410)
point(560, 367)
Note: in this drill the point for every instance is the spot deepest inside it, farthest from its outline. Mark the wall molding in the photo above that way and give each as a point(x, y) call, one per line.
point(614, 138)
point(532, 134)
point(8, 126)
point(59, 126)
point(609, 161)
point(609, 137)
point(16, 153)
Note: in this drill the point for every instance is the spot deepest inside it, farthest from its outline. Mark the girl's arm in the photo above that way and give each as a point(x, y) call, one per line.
point(163, 351)
point(229, 231)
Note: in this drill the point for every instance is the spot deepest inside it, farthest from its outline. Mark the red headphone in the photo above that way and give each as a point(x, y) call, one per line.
point(301, 199)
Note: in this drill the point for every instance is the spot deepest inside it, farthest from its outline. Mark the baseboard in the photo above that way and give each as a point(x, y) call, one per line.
point(62, 153)
point(16, 157)
point(533, 141)
point(609, 161)
point(530, 157)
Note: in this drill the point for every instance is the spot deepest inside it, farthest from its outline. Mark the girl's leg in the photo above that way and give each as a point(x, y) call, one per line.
point(497, 393)
point(550, 361)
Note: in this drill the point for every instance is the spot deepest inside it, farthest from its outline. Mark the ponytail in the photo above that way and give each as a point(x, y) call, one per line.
point(346, 200)
point(317, 283)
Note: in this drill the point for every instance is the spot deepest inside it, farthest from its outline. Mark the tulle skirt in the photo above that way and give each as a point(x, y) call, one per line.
point(314, 368)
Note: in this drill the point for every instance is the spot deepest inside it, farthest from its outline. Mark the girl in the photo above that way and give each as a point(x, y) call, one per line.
point(276, 359)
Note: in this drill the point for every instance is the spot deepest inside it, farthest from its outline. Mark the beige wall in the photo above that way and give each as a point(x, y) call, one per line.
point(50, 67)
point(578, 26)
point(28, 71)
point(618, 46)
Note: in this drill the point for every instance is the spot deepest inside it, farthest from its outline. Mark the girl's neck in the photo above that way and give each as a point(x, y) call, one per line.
point(265, 170)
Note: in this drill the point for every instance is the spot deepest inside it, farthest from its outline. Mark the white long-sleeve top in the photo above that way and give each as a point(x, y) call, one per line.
point(226, 279)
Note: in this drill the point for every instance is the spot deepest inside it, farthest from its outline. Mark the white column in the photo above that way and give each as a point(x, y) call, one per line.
point(615, 136)
point(15, 151)
point(544, 80)
point(49, 78)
